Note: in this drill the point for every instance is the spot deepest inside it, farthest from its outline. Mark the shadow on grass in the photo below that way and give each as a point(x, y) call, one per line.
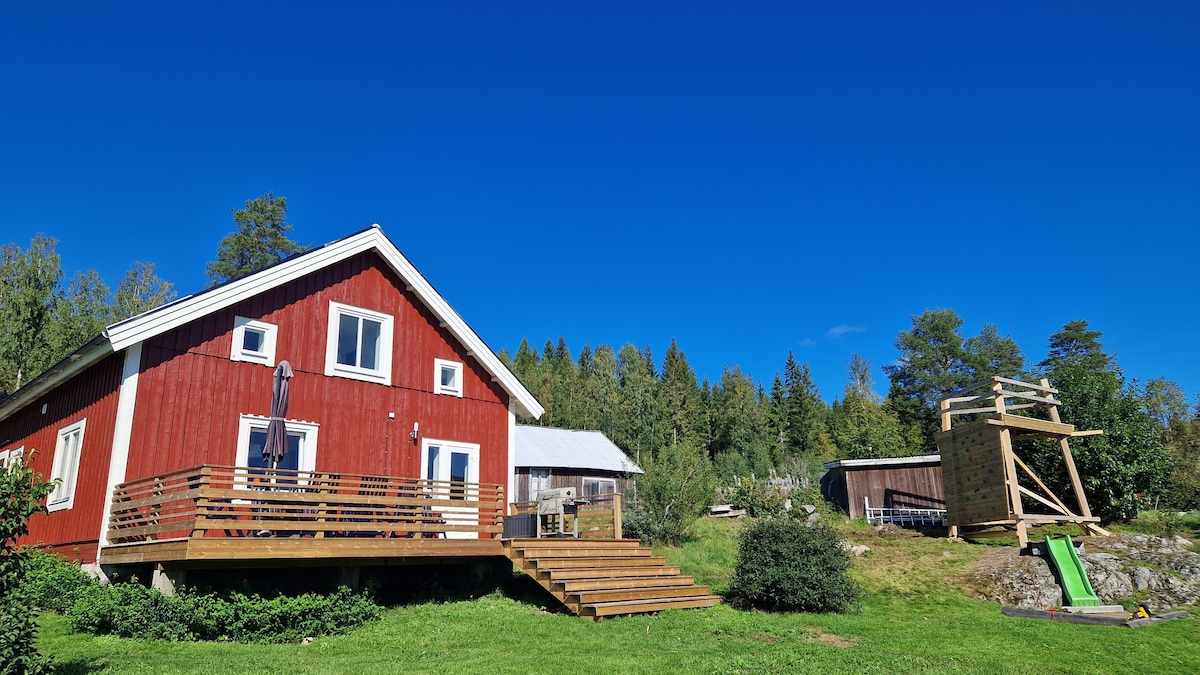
point(78, 666)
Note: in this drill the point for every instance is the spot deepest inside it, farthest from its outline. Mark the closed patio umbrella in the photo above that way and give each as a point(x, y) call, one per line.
point(276, 444)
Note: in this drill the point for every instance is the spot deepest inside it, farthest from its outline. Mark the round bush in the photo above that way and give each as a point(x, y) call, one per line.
point(787, 565)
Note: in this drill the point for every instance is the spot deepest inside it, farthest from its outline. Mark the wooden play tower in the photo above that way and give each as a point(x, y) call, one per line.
point(980, 466)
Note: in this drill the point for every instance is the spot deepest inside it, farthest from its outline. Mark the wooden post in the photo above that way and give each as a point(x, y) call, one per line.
point(945, 408)
point(201, 523)
point(617, 533)
point(1069, 460)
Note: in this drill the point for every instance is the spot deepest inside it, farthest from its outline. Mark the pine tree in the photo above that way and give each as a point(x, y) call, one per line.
point(261, 240)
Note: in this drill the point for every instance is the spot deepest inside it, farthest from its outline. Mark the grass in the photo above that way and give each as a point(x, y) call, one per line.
point(915, 617)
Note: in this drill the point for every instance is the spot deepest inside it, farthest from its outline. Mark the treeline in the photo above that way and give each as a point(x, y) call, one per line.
point(1149, 455)
point(44, 318)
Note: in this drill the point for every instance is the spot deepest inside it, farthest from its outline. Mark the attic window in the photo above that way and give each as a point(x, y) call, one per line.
point(359, 345)
point(447, 377)
point(253, 341)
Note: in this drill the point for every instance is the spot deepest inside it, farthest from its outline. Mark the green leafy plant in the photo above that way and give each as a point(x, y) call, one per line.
point(677, 487)
point(21, 495)
point(53, 582)
point(759, 498)
point(132, 610)
point(786, 565)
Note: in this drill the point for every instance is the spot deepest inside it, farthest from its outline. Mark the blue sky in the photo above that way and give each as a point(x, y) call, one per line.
point(747, 178)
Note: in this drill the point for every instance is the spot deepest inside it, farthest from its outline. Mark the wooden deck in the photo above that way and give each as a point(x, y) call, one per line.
point(217, 513)
point(238, 517)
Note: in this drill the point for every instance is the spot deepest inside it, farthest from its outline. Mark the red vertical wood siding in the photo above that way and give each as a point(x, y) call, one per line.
point(93, 395)
point(191, 395)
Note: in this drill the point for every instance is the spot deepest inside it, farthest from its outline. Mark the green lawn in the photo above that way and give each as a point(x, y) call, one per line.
point(915, 618)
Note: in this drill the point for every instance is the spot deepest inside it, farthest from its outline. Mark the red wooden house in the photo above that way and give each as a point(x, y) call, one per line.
point(389, 381)
point(401, 433)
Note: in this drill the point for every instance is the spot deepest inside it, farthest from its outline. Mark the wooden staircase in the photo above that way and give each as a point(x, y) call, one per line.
point(596, 578)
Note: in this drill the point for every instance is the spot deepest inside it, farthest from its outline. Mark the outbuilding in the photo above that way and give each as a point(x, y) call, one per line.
point(893, 483)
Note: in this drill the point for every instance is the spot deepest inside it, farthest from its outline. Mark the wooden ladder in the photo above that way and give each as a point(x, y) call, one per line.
point(597, 578)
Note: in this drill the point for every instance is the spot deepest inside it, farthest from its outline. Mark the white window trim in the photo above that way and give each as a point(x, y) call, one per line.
point(11, 456)
point(270, 332)
point(63, 496)
point(308, 447)
point(382, 374)
point(438, 387)
point(610, 481)
point(471, 448)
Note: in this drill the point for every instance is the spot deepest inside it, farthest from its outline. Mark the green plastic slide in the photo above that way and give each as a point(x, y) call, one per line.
point(1074, 580)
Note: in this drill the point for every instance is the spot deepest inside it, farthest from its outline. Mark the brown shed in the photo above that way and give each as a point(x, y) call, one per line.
point(896, 482)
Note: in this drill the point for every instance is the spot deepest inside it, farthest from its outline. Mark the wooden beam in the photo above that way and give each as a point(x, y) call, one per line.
point(1031, 424)
point(1060, 506)
point(1033, 495)
point(1065, 447)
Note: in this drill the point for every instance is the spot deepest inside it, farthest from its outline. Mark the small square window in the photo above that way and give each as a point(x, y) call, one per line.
point(254, 341)
point(66, 466)
point(360, 344)
point(9, 458)
point(447, 377)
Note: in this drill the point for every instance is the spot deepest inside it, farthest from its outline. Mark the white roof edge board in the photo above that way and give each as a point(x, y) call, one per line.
point(886, 461)
point(81, 359)
point(172, 315)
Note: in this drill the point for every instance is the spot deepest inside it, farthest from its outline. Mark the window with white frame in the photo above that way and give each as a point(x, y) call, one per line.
point(301, 440)
point(447, 377)
point(11, 456)
point(253, 341)
point(599, 486)
point(360, 344)
point(66, 466)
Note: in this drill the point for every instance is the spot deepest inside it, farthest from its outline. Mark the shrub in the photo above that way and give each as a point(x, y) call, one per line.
point(21, 494)
point(132, 610)
point(53, 582)
point(791, 566)
point(759, 498)
point(676, 489)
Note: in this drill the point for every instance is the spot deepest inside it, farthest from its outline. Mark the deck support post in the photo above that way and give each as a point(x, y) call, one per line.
point(165, 580)
point(351, 576)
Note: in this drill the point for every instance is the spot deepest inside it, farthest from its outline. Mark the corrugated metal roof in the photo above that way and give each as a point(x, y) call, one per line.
point(567, 448)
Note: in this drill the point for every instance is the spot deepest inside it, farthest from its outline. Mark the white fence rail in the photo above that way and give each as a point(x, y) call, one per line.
point(904, 516)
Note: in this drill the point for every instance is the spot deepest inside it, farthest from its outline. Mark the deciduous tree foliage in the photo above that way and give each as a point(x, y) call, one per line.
point(21, 494)
point(1125, 468)
point(43, 322)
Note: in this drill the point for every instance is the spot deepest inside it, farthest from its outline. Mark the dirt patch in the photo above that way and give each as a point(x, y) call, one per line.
point(817, 634)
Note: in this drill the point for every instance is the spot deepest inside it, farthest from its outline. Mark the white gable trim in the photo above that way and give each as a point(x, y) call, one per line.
point(184, 310)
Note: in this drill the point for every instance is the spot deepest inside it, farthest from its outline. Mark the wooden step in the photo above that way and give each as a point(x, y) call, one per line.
point(642, 606)
point(580, 585)
point(582, 552)
point(652, 593)
point(569, 542)
point(609, 572)
point(580, 563)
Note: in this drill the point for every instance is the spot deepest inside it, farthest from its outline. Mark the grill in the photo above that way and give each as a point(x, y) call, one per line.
point(556, 504)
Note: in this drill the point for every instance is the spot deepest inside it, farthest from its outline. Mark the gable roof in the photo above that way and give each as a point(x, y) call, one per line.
point(570, 449)
point(136, 329)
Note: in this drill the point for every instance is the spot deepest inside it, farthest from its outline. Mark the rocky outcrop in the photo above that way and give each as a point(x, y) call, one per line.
point(1162, 572)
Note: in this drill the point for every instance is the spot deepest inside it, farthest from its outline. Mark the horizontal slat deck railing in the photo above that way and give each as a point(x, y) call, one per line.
point(226, 501)
point(599, 517)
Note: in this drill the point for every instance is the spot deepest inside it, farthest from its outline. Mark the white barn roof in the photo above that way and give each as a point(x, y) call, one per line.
point(569, 449)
